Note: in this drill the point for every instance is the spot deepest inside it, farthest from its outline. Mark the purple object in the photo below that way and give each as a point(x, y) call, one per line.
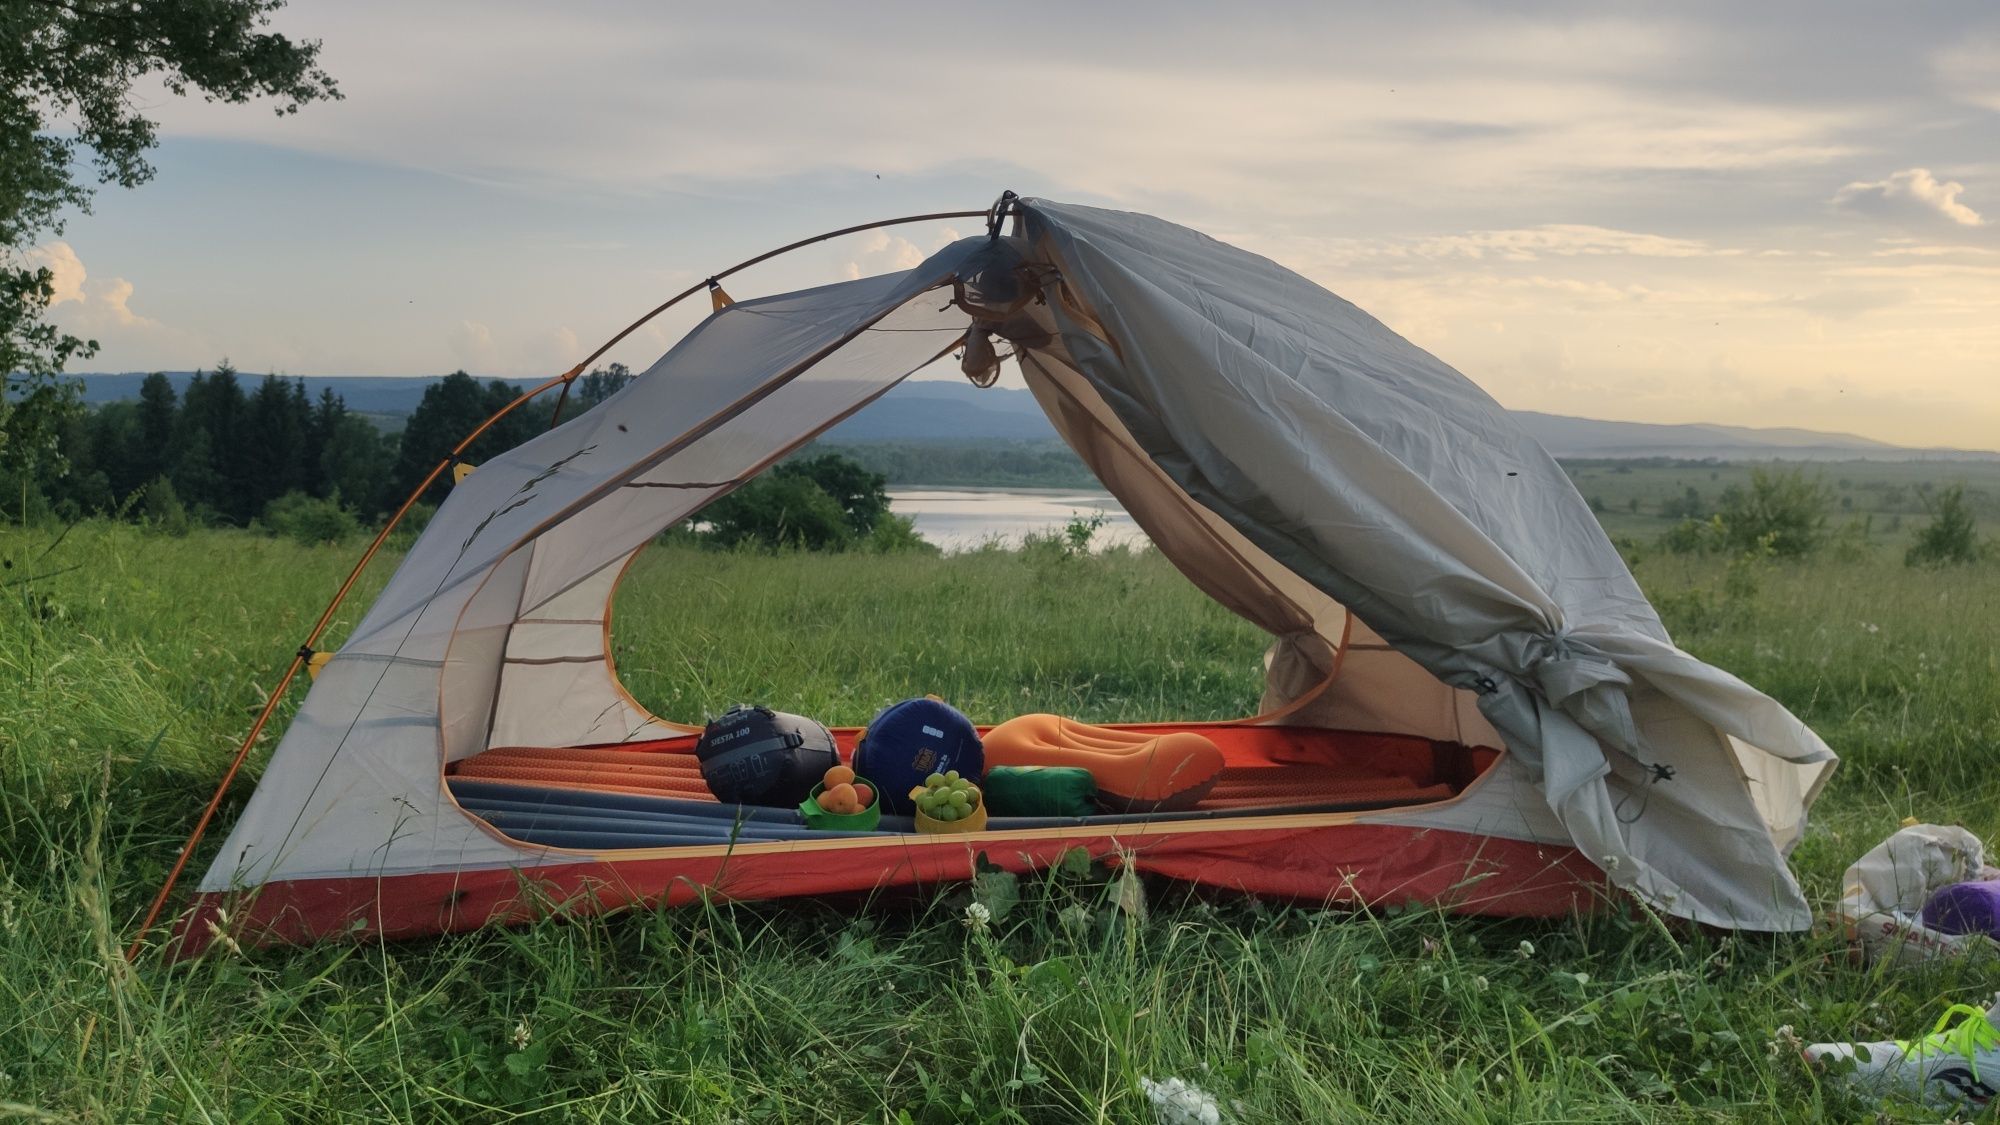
point(1966, 908)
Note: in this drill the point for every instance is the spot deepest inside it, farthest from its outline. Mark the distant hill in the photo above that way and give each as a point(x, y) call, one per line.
point(936, 411)
point(1585, 438)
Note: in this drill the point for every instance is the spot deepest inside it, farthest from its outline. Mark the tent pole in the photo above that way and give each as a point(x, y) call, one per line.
point(326, 617)
point(709, 281)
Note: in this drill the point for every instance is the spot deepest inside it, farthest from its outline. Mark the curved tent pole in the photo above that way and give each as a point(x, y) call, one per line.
point(305, 651)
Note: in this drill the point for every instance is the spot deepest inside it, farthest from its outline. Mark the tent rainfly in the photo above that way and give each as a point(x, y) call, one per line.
point(1432, 582)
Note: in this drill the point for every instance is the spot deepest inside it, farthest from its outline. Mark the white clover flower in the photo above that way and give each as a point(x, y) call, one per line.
point(1481, 984)
point(522, 1036)
point(1784, 1041)
point(1525, 950)
point(977, 916)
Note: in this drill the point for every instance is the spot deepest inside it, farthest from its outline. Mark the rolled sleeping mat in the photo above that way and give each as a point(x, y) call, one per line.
point(713, 832)
point(513, 790)
point(477, 796)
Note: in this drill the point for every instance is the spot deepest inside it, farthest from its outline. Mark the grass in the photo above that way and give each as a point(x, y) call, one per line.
point(126, 681)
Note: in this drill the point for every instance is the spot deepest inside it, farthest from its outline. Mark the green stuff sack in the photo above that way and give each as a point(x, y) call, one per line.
point(1040, 791)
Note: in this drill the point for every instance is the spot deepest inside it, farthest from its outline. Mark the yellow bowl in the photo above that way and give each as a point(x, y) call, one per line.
point(973, 821)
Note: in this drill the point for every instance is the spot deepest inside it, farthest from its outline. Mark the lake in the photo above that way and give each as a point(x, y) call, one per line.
point(958, 519)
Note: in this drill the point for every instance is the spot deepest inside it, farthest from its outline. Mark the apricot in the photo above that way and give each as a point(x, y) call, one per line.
point(839, 775)
point(864, 794)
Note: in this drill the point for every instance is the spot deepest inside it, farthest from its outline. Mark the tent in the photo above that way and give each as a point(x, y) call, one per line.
point(1428, 575)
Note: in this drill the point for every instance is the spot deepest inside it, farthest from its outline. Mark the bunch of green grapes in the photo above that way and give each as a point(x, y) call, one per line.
point(947, 796)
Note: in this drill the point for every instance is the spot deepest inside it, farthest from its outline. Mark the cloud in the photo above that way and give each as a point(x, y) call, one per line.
point(882, 252)
point(1565, 240)
point(471, 344)
point(1912, 193)
point(85, 305)
point(1970, 70)
point(66, 269)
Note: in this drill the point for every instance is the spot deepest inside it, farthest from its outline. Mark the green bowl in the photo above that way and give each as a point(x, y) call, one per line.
point(824, 821)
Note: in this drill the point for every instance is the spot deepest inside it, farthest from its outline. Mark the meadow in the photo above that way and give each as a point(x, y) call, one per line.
point(130, 663)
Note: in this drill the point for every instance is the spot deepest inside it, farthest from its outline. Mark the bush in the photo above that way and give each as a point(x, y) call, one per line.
point(1689, 537)
point(823, 503)
point(779, 510)
point(1951, 538)
point(1782, 514)
point(895, 534)
point(309, 519)
point(161, 510)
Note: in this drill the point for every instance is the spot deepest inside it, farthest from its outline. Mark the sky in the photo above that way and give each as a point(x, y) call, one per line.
point(1770, 215)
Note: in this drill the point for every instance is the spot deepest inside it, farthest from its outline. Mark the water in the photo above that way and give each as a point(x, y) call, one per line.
point(961, 518)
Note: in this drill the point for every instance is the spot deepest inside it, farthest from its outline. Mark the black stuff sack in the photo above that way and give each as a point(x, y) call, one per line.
point(757, 756)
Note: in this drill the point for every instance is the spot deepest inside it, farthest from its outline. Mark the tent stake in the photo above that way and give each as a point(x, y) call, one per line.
point(300, 658)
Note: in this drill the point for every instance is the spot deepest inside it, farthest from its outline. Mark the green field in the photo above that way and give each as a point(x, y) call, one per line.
point(130, 663)
point(1887, 499)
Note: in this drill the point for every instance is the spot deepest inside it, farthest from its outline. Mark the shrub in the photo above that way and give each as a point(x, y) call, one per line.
point(823, 503)
point(1951, 538)
point(161, 510)
point(309, 519)
point(893, 534)
point(1688, 537)
point(779, 510)
point(1782, 514)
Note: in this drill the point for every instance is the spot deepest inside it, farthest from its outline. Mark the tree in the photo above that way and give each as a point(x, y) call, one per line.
point(157, 405)
point(451, 408)
point(779, 510)
point(274, 441)
point(601, 384)
point(1951, 538)
point(862, 494)
point(827, 502)
point(351, 464)
point(1782, 512)
point(67, 71)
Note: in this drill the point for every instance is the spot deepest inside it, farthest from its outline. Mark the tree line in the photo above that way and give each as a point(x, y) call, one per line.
point(223, 450)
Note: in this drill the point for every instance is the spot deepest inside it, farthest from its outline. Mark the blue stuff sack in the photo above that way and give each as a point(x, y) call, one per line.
point(911, 740)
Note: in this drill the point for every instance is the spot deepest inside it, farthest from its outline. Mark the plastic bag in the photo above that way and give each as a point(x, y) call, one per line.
point(1884, 892)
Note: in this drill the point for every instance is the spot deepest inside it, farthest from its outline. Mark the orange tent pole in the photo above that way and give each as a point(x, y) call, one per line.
point(326, 616)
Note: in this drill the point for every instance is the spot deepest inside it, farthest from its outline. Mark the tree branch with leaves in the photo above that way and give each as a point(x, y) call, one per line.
point(68, 69)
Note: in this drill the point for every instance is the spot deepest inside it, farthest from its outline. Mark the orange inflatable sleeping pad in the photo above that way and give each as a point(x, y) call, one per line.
point(611, 771)
point(1134, 771)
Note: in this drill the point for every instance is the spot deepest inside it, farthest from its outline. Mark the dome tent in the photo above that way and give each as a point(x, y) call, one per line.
point(1427, 572)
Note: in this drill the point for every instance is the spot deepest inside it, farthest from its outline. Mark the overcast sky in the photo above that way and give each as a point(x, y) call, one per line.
point(1762, 214)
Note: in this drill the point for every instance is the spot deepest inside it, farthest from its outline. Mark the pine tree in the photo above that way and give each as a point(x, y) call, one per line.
point(273, 442)
point(353, 464)
point(157, 406)
point(323, 423)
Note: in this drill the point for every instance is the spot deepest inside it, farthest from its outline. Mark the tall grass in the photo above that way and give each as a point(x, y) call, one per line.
point(124, 684)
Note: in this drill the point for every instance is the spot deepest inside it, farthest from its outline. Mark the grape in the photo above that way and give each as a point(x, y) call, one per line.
point(935, 780)
point(951, 775)
point(958, 799)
